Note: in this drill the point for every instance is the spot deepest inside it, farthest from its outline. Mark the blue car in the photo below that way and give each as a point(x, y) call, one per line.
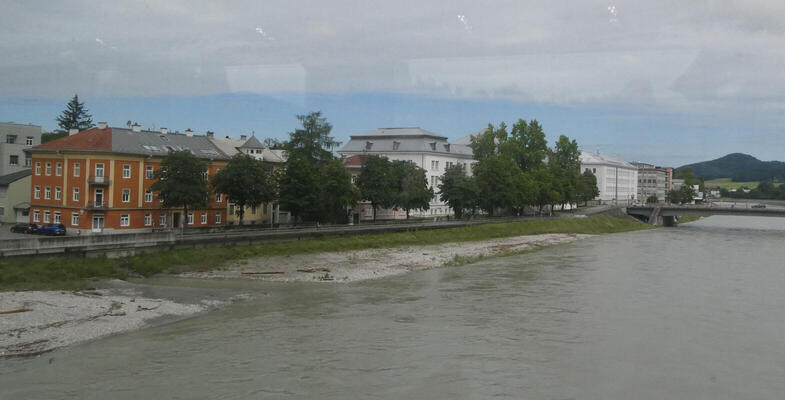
point(52, 230)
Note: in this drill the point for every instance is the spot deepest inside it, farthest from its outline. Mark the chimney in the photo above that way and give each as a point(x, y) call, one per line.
point(102, 125)
point(136, 128)
point(164, 131)
point(189, 132)
point(73, 131)
point(243, 137)
point(210, 134)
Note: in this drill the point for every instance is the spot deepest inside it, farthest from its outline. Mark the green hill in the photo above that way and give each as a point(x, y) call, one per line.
point(740, 168)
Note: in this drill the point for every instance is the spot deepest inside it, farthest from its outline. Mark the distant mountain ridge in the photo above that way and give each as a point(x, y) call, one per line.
point(740, 168)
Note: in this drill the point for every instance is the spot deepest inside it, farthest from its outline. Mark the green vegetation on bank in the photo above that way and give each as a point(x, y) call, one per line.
point(74, 273)
point(727, 183)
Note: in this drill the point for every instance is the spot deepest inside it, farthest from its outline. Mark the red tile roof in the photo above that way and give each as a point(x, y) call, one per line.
point(90, 139)
point(356, 160)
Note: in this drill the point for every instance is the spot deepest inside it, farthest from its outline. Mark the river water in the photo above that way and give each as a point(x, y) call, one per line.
point(693, 312)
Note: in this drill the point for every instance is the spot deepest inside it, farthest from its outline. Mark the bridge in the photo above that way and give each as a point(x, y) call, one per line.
point(666, 215)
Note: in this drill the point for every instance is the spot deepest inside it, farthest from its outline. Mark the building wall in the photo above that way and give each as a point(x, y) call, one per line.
point(136, 206)
point(22, 132)
point(15, 193)
point(652, 181)
point(609, 177)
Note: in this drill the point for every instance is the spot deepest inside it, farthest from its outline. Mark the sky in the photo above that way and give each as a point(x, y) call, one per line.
point(667, 82)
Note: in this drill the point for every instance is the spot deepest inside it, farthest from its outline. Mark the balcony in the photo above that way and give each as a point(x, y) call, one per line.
point(97, 205)
point(99, 180)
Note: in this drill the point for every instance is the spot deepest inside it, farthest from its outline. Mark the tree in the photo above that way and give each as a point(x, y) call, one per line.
point(565, 164)
point(50, 136)
point(181, 181)
point(74, 116)
point(376, 184)
point(686, 193)
point(338, 193)
point(496, 181)
point(246, 181)
point(526, 145)
point(675, 196)
point(410, 185)
point(299, 187)
point(588, 187)
point(313, 140)
point(458, 190)
point(652, 199)
point(273, 143)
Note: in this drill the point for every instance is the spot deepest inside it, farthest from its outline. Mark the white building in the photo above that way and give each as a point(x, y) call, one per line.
point(428, 150)
point(617, 180)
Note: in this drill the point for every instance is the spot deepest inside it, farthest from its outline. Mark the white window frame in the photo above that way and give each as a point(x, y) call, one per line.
point(126, 171)
point(58, 193)
point(74, 219)
point(218, 197)
point(48, 169)
point(59, 169)
point(218, 217)
point(190, 218)
point(56, 219)
point(125, 220)
point(47, 193)
point(29, 141)
point(148, 172)
point(204, 218)
point(47, 216)
point(99, 167)
point(148, 196)
point(36, 215)
point(162, 220)
point(77, 169)
point(75, 194)
point(38, 169)
point(37, 192)
point(148, 219)
point(126, 196)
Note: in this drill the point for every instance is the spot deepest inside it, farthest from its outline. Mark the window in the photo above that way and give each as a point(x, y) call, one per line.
point(204, 218)
point(148, 172)
point(38, 168)
point(368, 145)
point(48, 193)
point(148, 219)
point(29, 141)
point(13, 160)
point(434, 165)
point(59, 169)
point(126, 171)
point(126, 195)
point(162, 220)
point(75, 196)
point(36, 216)
point(148, 196)
point(231, 209)
point(125, 220)
point(74, 219)
point(433, 145)
point(218, 218)
point(99, 170)
point(57, 217)
point(10, 139)
point(396, 145)
point(190, 218)
point(253, 209)
point(48, 169)
point(58, 193)
point(37, 192)
point(28, 162)
point(433, 181)
point(46, 217)
point(218, 197)
point(77, 169)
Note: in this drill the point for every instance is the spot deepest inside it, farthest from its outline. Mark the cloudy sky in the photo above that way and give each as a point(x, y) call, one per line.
point(668, 82)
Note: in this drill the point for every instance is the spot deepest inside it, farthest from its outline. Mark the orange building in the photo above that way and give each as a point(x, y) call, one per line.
point(98, 181)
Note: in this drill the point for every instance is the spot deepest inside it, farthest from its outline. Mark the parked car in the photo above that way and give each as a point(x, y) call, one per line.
point(24, 228)
point(758, 206)
point(52, 230)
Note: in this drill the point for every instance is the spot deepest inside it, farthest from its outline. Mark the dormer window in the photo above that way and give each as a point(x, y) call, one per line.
point(433, 146)
point(368, 145)
point(447, 147)
point(396, 145)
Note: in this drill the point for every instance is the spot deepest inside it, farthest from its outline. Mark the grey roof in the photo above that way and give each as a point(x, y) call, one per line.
point(159, 144)
point(403, 140)
point(228, 145)
point(253, 143)
point(6, 180)
point(596, 158)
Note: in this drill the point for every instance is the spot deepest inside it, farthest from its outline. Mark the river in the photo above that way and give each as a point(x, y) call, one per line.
point(693, 312)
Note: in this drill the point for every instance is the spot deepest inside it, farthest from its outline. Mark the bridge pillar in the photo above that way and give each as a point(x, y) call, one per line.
point(668, 221)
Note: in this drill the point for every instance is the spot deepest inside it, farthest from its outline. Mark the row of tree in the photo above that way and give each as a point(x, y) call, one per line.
point(766, 190)
point(516, 170)
point(394, 184)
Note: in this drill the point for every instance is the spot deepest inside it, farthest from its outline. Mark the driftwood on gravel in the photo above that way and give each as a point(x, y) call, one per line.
point(261, 273)
point(16, 310)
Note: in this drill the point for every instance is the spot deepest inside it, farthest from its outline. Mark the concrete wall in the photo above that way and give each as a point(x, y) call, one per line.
point(15, 193)
point(84, 244)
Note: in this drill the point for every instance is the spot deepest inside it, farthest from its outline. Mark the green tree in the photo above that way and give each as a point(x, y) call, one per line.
point(376, 184)
point(246, 181)
point(458, 190)
point(652, 199)
point(565, 165)
point(674, 196)
point(299, 187)
point(50, 136)
point(313, 140)
point(526, 145)
point(496, 181)
point(588, 187)
point(181, 181)
point(686, 193)
point(337, 191)
point(74, 116)
point(410, 187)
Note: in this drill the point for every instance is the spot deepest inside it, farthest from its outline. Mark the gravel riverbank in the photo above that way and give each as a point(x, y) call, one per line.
point(351, 266)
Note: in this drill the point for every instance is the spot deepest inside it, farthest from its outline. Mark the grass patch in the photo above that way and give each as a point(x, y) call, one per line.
point(726, 183)
point(73, 273)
